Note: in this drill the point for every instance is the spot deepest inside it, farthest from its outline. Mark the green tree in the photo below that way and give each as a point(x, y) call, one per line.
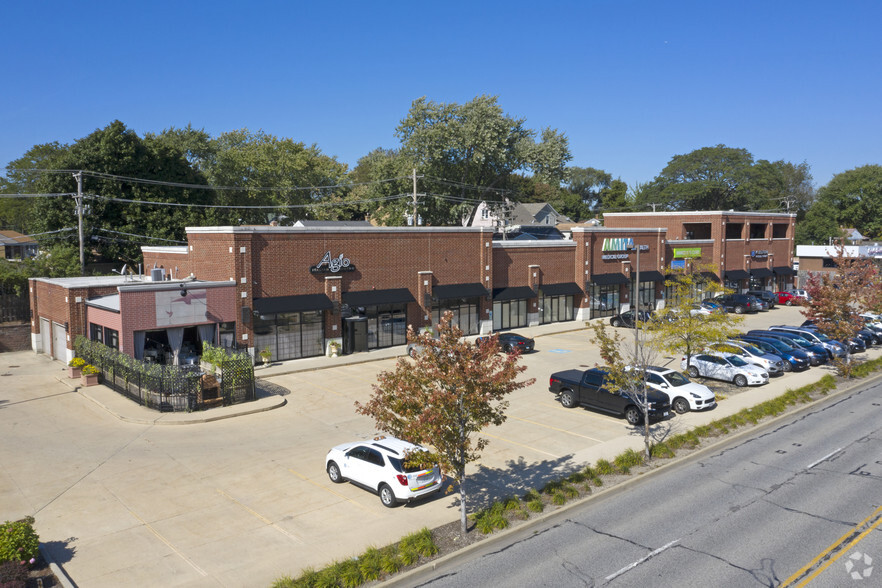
point(475, 145)
point(677, 330)
point(856, 196)
point(381, 187)
point(820, 225)
point(839, 297)
point(446, 397)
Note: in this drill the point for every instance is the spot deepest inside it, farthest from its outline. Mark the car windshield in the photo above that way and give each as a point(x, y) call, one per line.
point(676, 379)
point(778, 345)
point(822, 337)
point(736, 361)
point(752, 350)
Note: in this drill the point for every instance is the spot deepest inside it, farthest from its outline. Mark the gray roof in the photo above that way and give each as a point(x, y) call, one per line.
point(329, 223)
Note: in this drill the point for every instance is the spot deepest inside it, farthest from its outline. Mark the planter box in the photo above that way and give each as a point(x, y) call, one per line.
point(89, 379)
point(74, 373)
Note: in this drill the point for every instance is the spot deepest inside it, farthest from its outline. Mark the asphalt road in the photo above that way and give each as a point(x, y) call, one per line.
point(786, 504)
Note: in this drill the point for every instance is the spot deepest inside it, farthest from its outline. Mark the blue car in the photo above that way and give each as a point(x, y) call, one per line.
point(817, 354)
point(794, 359)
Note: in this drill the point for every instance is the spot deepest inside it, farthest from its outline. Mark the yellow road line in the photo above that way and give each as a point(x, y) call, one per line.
point(325, 488)
point(827, 551)
point(521, 445)
point(260, 517)
point(555, 429)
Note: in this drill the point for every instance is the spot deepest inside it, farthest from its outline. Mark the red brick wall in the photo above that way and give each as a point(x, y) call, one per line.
point(15, 337)
point(511, 265)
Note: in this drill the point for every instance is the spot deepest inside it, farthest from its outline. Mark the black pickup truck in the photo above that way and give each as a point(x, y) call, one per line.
point(575, 387)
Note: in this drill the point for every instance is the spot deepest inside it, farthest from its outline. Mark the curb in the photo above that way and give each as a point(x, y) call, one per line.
point(501, 536)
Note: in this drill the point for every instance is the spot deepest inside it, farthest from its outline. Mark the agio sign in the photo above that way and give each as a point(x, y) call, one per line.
point(332, 265)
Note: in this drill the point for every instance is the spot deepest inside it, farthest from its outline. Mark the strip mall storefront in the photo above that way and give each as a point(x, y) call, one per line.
point(303, 291)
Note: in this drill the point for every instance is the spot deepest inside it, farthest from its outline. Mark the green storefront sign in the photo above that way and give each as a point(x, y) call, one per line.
point(688, 252)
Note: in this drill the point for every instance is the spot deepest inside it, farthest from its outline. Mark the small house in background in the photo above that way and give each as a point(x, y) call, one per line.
point(17, 246)
point(854, 236)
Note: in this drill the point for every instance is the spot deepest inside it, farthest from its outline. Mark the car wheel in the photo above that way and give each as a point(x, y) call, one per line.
point(334, 473)
point(567, 399)
point(387, 497)
point(740, 381)
point(506, 348)
point(789, 303)
point(692, 371)
point(739, 310)
point(788, 367)
point(616, 322)
point(412, 352)
point(633, 415)
point(680, 405)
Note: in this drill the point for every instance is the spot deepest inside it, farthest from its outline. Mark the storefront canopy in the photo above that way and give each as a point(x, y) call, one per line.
point(736, 275)
point(449, 291)
point(303, 302)
point(761, 272)
point(609, 279)
point(375, 297)
point(650, 276)
point(784, 271)
point(565, 289)
point(513, 293)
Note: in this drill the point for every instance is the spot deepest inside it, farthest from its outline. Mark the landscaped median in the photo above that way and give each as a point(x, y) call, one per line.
point(426, 545)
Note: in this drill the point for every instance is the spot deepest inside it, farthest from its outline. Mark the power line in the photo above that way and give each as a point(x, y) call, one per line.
point(134, 235)
point(251, 207)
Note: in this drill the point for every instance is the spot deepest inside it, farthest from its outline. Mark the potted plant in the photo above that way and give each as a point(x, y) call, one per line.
point(266, 355)
point(89, 375)
point(75, 366)
point(334, 348)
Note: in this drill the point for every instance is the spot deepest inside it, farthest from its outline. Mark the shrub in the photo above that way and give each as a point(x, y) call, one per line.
point(628, 459)
point(370, 564)
point(349, 573)
point(604, 468)
point(18, 541)
point(536, 505)
point(13, 575)
point(390, 561)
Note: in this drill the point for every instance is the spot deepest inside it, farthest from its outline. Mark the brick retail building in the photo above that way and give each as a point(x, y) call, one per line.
point(298, 290)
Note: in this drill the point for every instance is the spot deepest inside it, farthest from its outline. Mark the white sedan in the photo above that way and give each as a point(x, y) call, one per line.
point(684, 394)
point(725, 366)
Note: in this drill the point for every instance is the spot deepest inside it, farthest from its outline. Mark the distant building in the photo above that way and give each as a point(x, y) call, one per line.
point(17, 246)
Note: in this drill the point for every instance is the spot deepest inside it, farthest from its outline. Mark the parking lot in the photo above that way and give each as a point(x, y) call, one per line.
point(242, 501)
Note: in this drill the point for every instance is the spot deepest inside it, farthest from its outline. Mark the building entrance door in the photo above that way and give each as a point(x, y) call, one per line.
point(355, 335)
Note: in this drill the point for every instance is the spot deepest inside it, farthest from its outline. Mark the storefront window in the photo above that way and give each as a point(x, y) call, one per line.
point(96, 332)
point(289, 335)
point(465, 313)
point(509, 314)
point(604, 300)
point(556, 309)
point(111, 338)
point(646, 295)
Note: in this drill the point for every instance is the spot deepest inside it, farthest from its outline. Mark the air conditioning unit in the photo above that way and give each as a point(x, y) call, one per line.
point(157, 274)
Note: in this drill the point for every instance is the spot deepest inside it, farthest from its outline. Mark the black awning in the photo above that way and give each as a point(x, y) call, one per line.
point(710, 276)
point(761, 272)
point(650, 276)
point(609, 279)
point(298, 303)
point(449, 291)
point(513, 293)
point(375, 297)
point(565, 289)
point(784, 270)
point(736, 275)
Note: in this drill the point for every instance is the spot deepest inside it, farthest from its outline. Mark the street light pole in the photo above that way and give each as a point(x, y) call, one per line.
point(637, 308)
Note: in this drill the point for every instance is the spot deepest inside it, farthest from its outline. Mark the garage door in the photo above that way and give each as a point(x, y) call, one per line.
point(59, 342)
point(45, 334)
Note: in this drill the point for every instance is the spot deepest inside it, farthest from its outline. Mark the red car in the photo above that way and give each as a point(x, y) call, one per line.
point(789, 298)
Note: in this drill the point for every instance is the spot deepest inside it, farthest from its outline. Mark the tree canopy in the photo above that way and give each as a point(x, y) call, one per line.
point(852, 199)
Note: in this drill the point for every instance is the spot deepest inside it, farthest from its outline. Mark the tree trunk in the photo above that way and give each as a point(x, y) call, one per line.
point(463, 521)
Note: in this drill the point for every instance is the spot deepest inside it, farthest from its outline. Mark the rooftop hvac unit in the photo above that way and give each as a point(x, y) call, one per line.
point(157, 274)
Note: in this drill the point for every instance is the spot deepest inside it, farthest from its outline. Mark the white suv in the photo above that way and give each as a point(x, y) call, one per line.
point(684, 394)
point(771, 363)
point(378, 465)
point(725, 366)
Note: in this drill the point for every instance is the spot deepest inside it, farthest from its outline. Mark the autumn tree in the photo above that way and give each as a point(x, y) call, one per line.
point(679, 330)
point(839, 297)
point(446, 397)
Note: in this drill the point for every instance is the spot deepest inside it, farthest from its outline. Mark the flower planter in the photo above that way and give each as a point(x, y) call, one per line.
point(89, 379)
point(74, 373)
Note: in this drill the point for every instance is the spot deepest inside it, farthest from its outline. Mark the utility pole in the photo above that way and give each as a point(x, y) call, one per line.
point(414, 198)
point(79, 177)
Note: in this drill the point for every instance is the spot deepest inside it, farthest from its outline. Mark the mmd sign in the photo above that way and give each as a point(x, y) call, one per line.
point(619, 244)
point(687, 252)
point(332, 265)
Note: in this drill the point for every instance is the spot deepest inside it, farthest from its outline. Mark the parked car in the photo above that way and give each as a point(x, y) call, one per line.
point(800, 294)
point(739, 303)
point(818, 354)
point(715, 305)
point(763, 305)
point(727, 367)
point(765, 296)
point(867, 336)
point(588, 388)
point(794, 359)
point(509, 342)
point(752, 354)
point(380, 466)
point(835, 348)
point(786, 298)
point(626, 319)
point(683, 394)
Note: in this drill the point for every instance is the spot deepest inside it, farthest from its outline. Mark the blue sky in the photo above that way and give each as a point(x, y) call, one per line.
point(631, 83)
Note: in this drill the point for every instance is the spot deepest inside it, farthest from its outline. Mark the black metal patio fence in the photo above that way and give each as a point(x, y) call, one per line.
point(170, 388)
